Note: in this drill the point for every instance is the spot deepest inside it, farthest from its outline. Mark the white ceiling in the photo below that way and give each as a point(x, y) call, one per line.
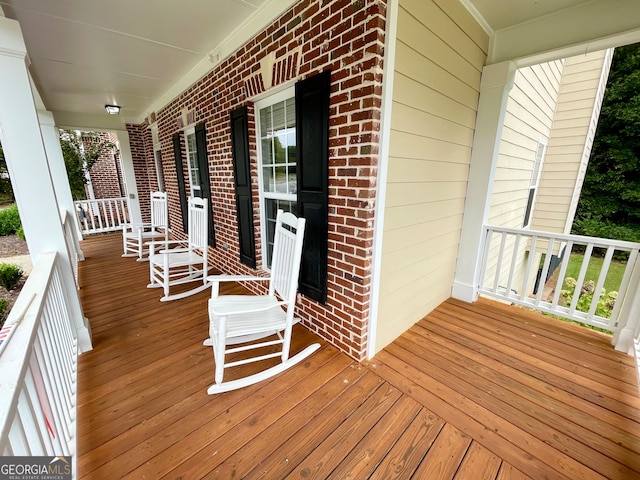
point(140, 53)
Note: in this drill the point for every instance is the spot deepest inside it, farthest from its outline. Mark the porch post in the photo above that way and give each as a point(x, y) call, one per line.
point(629, 316)
point(497, 80)
point(27, 164)
point(51, 139)
point(129, 176)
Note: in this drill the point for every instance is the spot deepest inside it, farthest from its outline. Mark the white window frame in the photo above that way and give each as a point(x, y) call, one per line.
point(264, 102)
point(534, 183)
point(192, 162)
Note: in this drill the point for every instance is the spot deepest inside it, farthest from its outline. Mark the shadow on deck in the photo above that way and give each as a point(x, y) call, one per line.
point(482, 391)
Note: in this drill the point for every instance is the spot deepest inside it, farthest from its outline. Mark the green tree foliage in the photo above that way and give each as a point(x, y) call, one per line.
point(81, 150)
point(610, 196)
point(6, 190)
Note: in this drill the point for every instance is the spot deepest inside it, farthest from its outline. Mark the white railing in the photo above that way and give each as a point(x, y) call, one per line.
point(514, 259)
point(72, 242)
point(101, 215)
point(38, 363)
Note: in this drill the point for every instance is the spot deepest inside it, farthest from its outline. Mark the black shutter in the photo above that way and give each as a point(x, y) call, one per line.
point(205, 181)
point(312, 153)
point(242, 175)
point(177, 153)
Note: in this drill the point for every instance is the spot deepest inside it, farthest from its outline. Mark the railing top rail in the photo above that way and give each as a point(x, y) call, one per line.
point(580, 239)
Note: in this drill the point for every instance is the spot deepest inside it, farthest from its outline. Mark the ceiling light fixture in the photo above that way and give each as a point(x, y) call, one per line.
point(112, 109)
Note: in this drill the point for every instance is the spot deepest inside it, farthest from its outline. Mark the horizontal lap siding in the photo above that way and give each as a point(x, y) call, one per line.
point(440, 52)
point(570, 141)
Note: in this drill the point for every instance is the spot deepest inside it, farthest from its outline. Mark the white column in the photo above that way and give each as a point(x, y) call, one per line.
point(629, 316)
point(129, 176)
point(27, 164)
point(51, 138)
point(496, 83)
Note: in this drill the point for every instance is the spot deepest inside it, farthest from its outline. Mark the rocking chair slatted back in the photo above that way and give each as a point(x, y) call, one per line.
point(198, 234)
point(159, 210)
point(287, 251)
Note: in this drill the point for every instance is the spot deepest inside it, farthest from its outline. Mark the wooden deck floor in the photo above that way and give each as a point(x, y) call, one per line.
point(481, 391)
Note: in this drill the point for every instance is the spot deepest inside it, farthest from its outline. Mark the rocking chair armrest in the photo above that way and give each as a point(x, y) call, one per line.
point(175, 250)
point(221, 311)
point(216, 280)
point(133, 225)
point(235, 278)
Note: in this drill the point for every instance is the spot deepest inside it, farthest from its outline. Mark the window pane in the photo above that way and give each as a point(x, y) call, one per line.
point(281, 180)
point(267, 179)
point(265, 121)
point(279, 147)
point(278, 116)
point(291, 113)
point(266, 151)
point(271, 209)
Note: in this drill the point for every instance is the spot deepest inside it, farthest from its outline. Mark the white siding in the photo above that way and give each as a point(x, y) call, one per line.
point(440, 53)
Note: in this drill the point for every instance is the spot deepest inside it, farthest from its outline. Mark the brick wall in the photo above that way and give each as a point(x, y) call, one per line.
point(347, 37)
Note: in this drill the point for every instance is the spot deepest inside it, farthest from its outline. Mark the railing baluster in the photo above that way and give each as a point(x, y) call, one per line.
point(597, 293)
point(527, 273)
point(545, 270)
point(514, 257)
point(563, 271)
point(496, 280)
point(580, 281)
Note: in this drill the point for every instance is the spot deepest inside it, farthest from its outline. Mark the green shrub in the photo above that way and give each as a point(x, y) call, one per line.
point(20, 233)
point(9, 220)
point(10, 275)
point(4, 310)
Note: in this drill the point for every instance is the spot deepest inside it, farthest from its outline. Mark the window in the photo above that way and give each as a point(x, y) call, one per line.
point(535, 180)
point(157, 157)
point(192, 161)
point(276, 130)
point(159, 172)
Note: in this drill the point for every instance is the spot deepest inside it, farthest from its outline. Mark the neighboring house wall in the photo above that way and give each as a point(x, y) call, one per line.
point(346, 37)
point(106, 173)
point(580, 98)
point(440, 52)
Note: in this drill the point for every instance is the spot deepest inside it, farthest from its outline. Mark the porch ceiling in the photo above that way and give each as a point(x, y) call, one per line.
point(141, 53)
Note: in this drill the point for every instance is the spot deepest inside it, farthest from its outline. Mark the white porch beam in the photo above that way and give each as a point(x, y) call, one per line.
point(587, 27)
point(129, 176)
point(28, 167)
point(495, 85)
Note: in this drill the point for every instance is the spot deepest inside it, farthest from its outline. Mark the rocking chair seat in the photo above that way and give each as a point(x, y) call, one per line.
point(244, 309)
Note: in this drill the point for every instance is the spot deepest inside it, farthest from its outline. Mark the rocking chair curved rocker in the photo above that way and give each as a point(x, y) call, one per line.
point(175, 262)
point(136, 235)
point(236, 322)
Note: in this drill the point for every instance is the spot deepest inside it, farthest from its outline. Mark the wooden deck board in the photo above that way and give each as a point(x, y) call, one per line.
point(472, 392)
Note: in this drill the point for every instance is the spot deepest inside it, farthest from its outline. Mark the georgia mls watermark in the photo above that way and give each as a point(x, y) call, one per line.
point(35, 468)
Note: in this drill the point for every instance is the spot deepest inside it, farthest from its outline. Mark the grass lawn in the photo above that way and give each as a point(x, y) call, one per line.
point(614, 277)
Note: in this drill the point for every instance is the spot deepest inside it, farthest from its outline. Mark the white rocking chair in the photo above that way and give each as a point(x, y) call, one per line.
point(237, 320)
point(175, 262)
point(136, 235)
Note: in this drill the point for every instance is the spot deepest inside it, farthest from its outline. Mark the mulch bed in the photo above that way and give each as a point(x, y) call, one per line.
point(11, 246)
